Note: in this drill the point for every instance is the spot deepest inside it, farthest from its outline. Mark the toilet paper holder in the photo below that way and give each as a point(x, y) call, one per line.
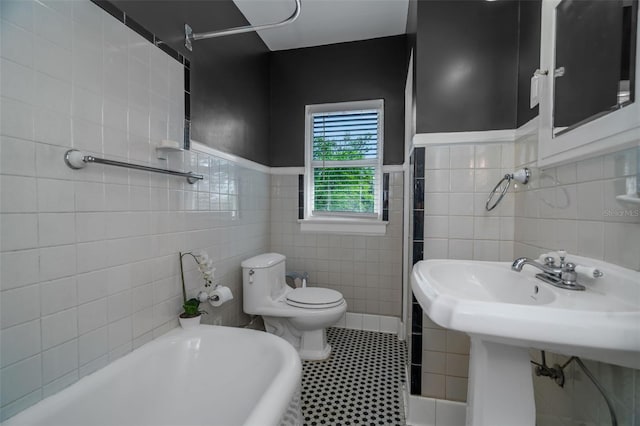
point(209, 296)
point(204, 296)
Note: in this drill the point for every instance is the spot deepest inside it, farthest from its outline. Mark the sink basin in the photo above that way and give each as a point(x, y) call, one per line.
point(506, 313)
point(488, 298)
point(480, 281)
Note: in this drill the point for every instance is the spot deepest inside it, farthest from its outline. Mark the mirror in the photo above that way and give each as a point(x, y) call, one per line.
point(595, 58)
point(570, 127)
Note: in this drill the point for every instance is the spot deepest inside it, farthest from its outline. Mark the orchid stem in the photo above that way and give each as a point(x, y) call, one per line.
point(184, 290)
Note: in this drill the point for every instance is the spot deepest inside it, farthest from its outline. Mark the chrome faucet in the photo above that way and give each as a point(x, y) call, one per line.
point(563, 275)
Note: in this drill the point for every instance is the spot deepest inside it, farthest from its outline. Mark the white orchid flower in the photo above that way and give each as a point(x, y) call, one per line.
point(201, 256)
point(205, 266)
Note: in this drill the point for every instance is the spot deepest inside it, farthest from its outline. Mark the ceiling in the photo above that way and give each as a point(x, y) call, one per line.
point(325, 21)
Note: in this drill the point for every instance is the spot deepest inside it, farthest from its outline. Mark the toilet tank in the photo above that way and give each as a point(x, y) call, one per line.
point(267, 282)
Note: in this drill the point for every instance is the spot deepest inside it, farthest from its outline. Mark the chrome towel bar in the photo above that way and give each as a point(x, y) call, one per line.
point(77, 160)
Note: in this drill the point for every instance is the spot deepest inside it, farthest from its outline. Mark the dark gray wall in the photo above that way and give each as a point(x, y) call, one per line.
point(412, 17)
point(370, 69)
point(412, 30)
point(412, 37)
point(249, 102)
point(528, 56)
point(466, 71)
point(229, 75)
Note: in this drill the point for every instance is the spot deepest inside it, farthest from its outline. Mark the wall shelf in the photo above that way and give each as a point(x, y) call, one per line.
point(162, 151)
point(630, 199)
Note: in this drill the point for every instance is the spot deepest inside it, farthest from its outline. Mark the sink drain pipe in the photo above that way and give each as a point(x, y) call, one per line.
point(556, 373)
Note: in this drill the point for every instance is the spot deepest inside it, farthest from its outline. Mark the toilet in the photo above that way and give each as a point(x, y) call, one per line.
point(300, 316)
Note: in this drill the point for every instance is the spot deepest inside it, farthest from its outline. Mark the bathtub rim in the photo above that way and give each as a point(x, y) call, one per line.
point(268, 409)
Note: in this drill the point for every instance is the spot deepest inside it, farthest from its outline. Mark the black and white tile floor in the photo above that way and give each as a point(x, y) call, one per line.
point(360, 384)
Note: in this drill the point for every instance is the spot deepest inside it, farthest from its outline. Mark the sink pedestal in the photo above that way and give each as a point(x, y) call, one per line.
point(500, 385)
point(506, 313)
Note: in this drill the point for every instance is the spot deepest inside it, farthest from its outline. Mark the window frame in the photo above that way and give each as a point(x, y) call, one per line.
point(343, 222)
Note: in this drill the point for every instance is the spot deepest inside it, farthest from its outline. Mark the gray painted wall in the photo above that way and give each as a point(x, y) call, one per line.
point(467, 72)
point(250, 102)
point(229, 75)
point(370, 69)
point(528, 56)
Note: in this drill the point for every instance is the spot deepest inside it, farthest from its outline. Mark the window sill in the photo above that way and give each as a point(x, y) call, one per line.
point(344, 226)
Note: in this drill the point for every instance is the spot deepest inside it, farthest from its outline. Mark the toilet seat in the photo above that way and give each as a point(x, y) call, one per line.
point(314, 298)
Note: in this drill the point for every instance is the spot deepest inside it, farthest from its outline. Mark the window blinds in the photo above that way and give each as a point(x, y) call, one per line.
point(345, 162)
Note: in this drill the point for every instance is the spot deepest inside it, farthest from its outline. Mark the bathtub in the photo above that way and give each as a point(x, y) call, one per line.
point(208, 375)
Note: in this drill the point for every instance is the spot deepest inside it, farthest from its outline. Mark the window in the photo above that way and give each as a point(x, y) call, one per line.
point(343, 167)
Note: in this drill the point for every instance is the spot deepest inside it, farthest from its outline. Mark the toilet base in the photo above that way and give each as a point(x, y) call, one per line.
point(321, 355)
point(314, 346)
point(311, 344)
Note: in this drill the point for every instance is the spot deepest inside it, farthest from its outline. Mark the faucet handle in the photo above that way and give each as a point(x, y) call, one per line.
point(549, 261)
point(562, 254)
point(569, 275)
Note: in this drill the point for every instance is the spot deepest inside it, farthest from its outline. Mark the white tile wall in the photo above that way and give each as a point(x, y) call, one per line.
point(434, 412)
point(365, 269)
point(368, 322)
point(445, 362)
point(573, 206)
point(89, 258)
point(579, 402)
point(458, 179)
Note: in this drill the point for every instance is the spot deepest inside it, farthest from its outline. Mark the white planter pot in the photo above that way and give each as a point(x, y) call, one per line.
point(190, 322)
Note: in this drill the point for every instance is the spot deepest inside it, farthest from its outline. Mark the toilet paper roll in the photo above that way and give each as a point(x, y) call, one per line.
point(220, 295)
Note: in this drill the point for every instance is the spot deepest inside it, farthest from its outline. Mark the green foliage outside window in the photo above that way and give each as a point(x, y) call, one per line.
point(344, 189)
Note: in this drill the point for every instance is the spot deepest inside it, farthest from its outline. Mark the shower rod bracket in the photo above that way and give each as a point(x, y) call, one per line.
point(190, 36)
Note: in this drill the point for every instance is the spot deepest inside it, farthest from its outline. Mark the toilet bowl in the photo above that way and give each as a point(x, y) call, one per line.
point(300, 316)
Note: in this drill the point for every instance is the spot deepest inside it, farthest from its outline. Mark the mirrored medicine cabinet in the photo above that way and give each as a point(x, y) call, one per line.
point(589, 61)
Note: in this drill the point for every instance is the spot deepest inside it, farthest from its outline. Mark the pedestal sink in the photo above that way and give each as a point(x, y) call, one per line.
point(506, 313)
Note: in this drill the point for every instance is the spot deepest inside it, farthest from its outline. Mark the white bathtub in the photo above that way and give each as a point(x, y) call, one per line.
point(208, 375)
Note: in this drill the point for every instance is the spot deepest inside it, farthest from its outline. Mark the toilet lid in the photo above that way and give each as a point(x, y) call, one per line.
point(314, 298)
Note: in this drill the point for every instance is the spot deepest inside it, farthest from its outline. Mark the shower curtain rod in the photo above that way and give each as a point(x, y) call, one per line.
point(190, 36)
